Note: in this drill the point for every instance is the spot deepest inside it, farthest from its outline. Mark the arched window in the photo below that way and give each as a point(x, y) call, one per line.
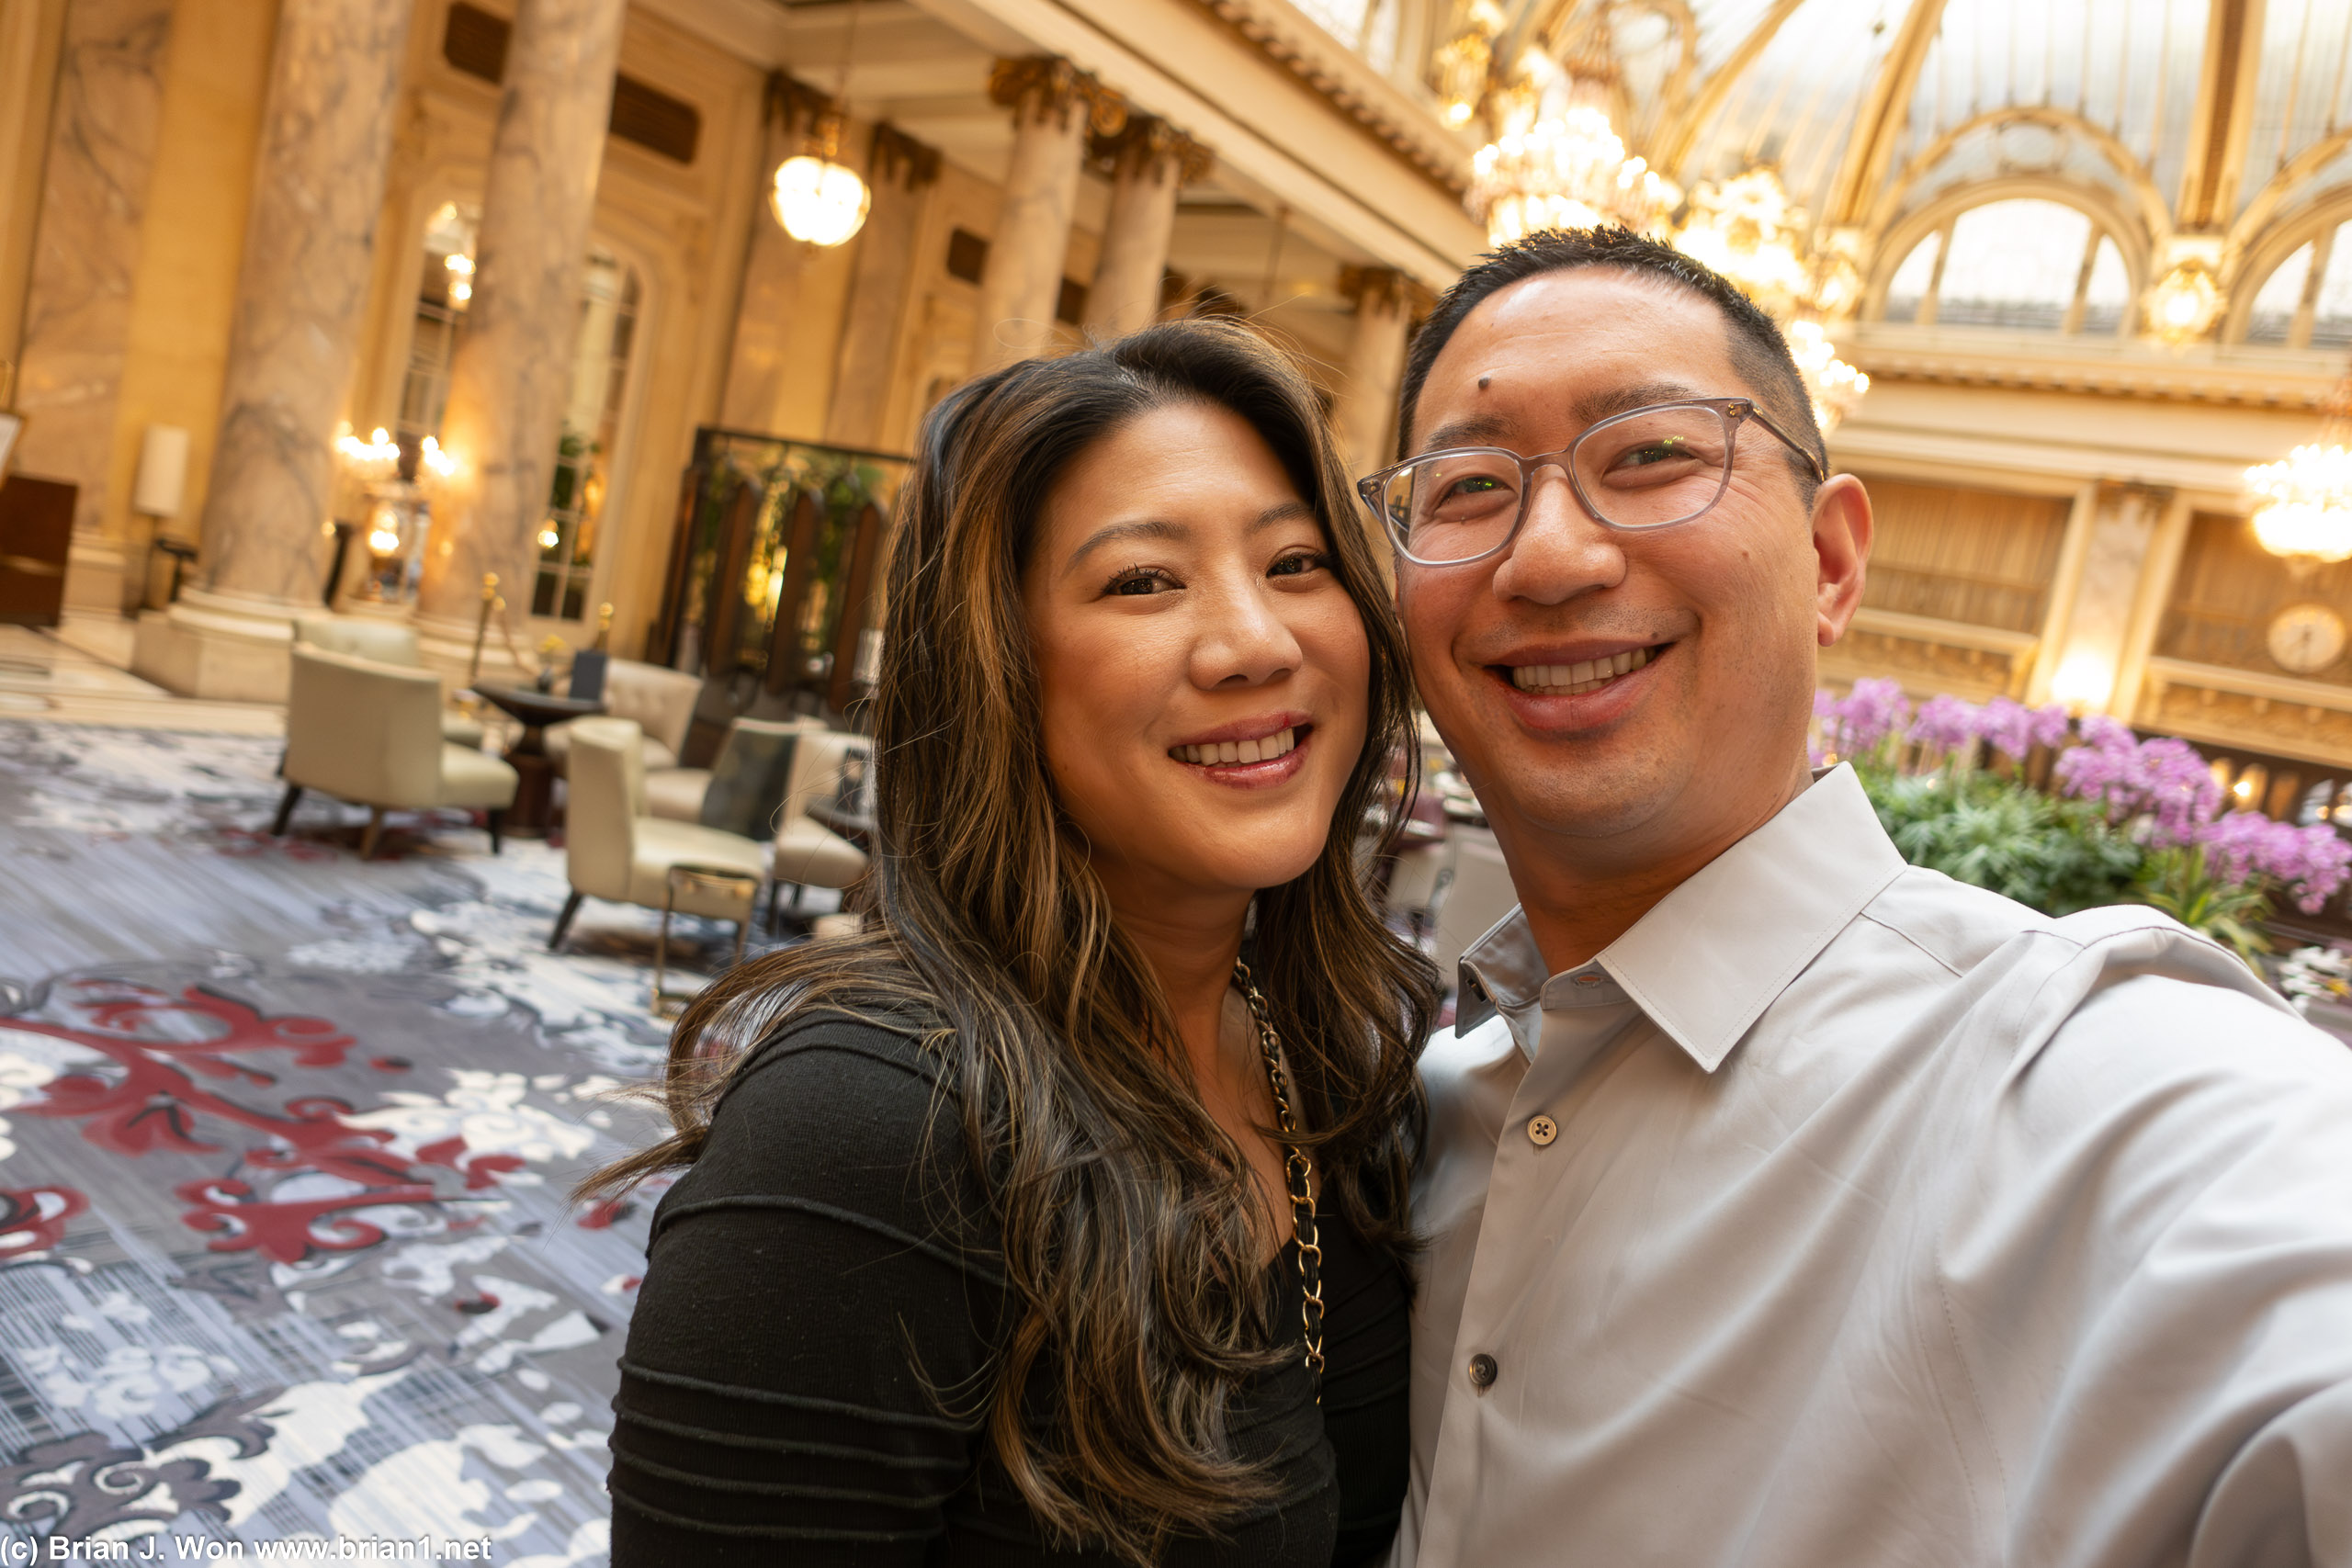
point(2306, 302)
point(2023, 264)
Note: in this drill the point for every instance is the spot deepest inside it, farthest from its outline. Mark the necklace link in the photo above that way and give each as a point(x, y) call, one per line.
point(1296, 1171)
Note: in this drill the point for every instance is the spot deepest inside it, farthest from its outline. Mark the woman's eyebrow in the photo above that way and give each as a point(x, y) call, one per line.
point(1281, 512)
point(1138, 528)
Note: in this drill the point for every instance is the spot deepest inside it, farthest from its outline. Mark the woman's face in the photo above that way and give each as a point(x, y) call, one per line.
point(1205, 675)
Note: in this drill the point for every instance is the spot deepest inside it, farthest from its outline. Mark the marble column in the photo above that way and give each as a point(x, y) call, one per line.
point(1365, 408)
point(1054, 105)
point(86, 252)
point(1150, 162)
point(760, 359)
point(900, 172)
point(301, 291)
point(513, 366)
point(2104, 593)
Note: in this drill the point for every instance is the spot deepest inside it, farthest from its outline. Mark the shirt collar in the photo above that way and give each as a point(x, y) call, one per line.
point(1706, 962)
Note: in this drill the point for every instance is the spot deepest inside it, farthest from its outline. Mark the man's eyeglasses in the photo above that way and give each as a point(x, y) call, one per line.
point(1649, 468)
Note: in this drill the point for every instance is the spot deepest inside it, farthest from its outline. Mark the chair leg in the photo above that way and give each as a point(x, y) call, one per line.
point(774, 887)
point(375, 832)
point(497, 822)
point(284, 810)
point(563, 921)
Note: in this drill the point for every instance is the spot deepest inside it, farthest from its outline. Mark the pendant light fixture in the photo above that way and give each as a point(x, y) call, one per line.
point(817, 199)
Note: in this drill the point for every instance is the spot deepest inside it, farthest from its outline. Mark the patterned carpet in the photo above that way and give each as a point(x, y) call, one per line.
point(284, 1143)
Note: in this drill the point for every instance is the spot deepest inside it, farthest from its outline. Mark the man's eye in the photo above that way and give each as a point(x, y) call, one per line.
point(1665, 451)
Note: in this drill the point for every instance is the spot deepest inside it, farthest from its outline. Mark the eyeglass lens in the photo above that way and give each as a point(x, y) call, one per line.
point(1645, 471)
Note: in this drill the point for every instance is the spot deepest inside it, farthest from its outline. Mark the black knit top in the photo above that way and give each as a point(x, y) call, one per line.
point(812, 1315)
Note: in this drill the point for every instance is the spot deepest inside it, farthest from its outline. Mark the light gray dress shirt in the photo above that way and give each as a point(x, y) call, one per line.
point(1841, 1213)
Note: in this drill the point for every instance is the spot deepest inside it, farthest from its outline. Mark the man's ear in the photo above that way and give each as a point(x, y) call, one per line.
point(1841, 548)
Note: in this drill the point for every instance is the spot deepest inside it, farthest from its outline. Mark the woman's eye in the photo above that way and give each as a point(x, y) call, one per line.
point(1299, 564)
point(1139, 582)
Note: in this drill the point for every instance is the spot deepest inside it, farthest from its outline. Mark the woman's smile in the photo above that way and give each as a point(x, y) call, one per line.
point(1254, 753)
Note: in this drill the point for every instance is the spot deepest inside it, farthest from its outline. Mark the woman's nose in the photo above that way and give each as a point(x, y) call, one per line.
point(1243, 639)
point(1560, 551)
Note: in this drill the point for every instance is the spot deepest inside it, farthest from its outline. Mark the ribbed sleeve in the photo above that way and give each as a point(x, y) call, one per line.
point(807, 1310)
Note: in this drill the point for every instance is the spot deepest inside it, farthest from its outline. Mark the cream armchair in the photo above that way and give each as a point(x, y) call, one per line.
point(662, 701)
point(809, 853)
point(386, 642)
point(615, 849)
point(370, 733)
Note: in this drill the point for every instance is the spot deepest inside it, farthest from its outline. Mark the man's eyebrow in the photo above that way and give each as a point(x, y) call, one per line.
point(1494, 429)
point(1479, 430)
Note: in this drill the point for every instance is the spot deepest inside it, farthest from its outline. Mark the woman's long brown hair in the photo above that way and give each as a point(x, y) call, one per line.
point(1133, 1246)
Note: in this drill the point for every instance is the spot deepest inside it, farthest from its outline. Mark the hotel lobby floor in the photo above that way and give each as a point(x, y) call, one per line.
point(284, 1145)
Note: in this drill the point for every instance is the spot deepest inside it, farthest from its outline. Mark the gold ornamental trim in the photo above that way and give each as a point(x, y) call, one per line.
point(1041, 86)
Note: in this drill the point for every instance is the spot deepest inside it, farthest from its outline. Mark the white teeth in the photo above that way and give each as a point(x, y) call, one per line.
point(1575, 679)
point(1218, 753)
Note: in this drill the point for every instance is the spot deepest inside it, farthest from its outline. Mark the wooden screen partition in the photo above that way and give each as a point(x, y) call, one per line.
point(1978, 557)
point(2229, 589)
point(775, 569)
point(35, 532)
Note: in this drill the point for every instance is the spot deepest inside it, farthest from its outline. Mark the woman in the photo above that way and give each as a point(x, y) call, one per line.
point(992, 1246)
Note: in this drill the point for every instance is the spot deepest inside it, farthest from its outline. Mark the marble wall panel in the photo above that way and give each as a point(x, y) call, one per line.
point(85, 247)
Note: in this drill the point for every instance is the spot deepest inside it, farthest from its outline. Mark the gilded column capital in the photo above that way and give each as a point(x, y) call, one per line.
point(900, 158)
point(1375, 289)
point(1043, 86)
point(1150, 147)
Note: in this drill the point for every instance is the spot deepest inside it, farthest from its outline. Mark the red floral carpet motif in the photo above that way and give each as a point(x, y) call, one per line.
point(163, 1045)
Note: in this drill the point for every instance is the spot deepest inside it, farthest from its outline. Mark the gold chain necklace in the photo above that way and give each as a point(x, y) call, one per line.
point(1294, 1174)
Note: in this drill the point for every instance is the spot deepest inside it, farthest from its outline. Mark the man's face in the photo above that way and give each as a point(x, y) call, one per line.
point(1704, 739)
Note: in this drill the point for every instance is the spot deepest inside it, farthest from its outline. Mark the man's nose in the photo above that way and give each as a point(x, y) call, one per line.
point(1560, 551)
point(1243, 640)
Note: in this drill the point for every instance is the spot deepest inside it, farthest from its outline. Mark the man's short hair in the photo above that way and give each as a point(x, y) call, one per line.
point(1758, 353)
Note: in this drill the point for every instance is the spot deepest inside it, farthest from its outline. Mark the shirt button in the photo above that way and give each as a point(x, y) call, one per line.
point(1541, 1130)
point(1484, 1371)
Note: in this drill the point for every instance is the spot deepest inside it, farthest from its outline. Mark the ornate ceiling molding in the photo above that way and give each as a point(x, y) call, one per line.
point(1409, 128)
point(2028, 363)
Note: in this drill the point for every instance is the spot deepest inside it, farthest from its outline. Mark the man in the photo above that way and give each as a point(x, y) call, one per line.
point(1789, 1206)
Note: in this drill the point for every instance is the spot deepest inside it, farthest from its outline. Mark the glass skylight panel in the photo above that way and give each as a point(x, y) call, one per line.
point(1909, 284)
point(2107, 294)
point(2013, 263)
point(2332, 312)
point(1343, 19)
point(2301, 92)
point(2275, 302)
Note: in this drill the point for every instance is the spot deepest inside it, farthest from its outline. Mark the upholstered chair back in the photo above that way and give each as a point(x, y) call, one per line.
point(383, 641)
point(661, 700)
point(605, 796)
point(361, 729)
point(816, 766)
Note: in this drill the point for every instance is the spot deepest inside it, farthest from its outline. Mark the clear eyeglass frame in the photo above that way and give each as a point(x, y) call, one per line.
point(1733, 411)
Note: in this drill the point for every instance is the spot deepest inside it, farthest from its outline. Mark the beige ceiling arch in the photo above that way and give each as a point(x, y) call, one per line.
point(1883, 117)
point(2269, 201)
point(2156, 218)
point(1675, 143)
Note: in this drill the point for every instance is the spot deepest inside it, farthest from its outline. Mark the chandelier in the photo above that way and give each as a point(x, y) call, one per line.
point(2184, 304)
point(1746, 229)
point(1569, 172)
point(819, 200)
point(2302, 504)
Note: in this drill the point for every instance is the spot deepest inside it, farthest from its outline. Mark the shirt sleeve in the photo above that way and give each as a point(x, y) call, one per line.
point(2171, 1291)
point(812, 1335)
